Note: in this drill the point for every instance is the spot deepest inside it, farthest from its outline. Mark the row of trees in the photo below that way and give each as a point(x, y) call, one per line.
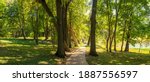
point(56, 20)
point(123, 21)
point(68, 23)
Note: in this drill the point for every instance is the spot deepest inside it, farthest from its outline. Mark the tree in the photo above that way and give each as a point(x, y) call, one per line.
point(58, 24)
point(117, 8)
point(93, 28)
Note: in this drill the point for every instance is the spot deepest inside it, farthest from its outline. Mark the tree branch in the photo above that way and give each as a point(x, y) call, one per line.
point(45, 6)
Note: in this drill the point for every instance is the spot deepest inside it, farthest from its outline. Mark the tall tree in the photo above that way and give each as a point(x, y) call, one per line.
point(58, 24)
point(117, 8)
point(93, 28)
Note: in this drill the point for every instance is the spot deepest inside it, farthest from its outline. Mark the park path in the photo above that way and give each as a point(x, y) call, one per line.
point(77, 57)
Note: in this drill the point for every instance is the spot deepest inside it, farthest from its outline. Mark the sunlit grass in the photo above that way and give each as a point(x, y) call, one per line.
point(25, 52)
point(143, 50)
point(134, 57)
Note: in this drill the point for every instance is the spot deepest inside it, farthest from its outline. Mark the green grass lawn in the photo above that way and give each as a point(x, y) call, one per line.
point(25, 52)
point(120, 58)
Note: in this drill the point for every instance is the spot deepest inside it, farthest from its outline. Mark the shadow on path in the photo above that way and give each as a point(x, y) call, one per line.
point(77, 57)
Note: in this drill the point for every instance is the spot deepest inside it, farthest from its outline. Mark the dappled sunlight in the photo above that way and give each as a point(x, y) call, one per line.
point(19, 52)
point(143, 51)
point(3, 61)
point(5, 42)
point(120, 58)
point(43, 62)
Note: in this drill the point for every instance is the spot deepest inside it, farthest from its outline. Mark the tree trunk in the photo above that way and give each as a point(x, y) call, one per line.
point(124, 30)
point(110, 44)
point(60, 49)
point(70, 28)
point(65, 27)
point(128, 33)
point(109, 17)
point(93, 28)
point(89, 40)
point(37, 26)
point(116, 22)
point(128, 38)
point(23, 24)
point(127, 43)
point(58, 23)
point(46, 33)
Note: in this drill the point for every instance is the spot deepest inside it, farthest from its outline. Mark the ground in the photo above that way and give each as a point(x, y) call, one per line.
point(77, 57)
point(119, 58)
point(25, 52)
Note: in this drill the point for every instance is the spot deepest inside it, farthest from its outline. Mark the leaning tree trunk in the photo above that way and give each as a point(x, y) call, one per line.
point(93, 28)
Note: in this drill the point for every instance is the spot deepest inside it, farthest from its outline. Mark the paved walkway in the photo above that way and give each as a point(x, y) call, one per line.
point(77, 57)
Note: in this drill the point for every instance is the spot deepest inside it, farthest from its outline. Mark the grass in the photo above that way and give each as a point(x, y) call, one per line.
point(120, 58)
point(25, 52)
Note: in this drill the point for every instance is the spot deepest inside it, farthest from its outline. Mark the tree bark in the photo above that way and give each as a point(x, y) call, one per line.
point(127, 43)
point(65, 7)
point(93, 28)
point(128, 35)
point(60, 49)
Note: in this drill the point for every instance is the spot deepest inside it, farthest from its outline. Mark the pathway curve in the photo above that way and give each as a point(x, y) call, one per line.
point(77, 57)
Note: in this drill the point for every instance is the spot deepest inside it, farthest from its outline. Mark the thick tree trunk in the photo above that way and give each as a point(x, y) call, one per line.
point(65, 27)
point(64, 23)
point(58, 23)
point(93, 28)
point(60, 49)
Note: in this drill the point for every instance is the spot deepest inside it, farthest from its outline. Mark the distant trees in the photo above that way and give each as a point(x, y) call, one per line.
point(124, 18)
